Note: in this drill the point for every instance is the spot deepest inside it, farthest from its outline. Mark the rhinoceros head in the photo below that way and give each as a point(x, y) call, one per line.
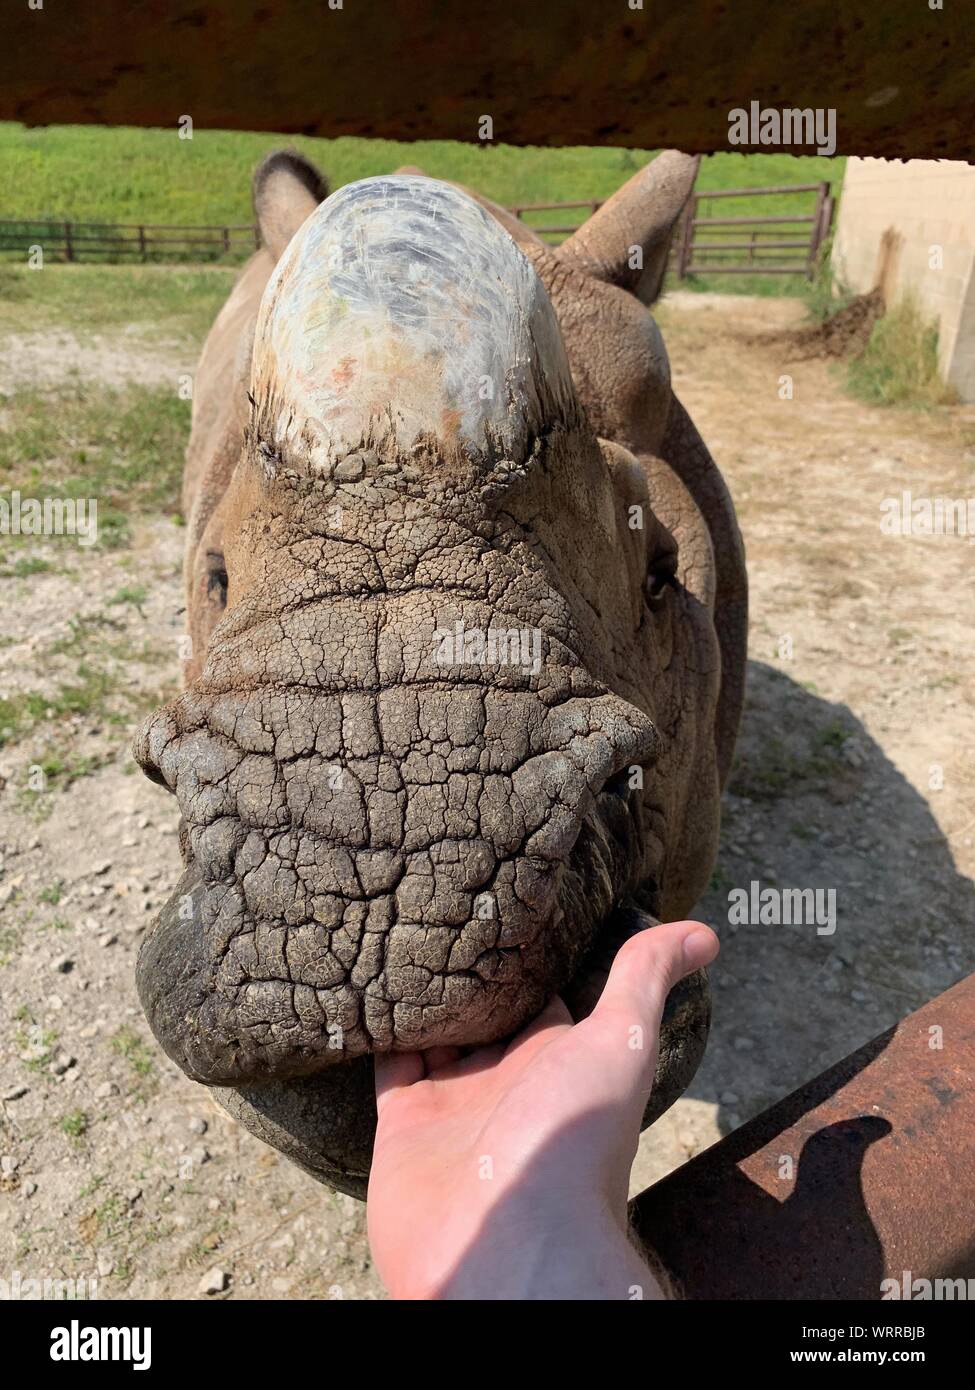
point(455, 711)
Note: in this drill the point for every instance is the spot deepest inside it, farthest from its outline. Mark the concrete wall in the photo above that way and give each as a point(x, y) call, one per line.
point(893, 218)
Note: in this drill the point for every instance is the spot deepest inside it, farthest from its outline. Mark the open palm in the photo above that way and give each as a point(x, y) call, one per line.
point(504, 1172)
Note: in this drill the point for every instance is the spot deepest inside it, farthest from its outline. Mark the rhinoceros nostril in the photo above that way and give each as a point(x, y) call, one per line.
point(620, 785)
point(154, 775)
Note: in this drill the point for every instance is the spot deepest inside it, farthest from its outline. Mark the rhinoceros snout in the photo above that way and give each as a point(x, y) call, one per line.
point(389, 869)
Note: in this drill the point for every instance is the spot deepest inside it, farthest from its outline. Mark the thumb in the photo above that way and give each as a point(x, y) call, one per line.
point(647, 967)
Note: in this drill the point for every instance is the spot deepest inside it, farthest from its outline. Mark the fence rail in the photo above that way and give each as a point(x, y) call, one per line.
point(560, 230)
point(701, 246)
point(796, 251)
point(74, 241)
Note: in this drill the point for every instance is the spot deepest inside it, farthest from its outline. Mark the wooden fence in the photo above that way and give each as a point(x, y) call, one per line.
point(773, 245)
point(123, 241)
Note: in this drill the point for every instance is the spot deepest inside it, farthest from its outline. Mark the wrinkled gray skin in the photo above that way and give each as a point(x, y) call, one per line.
point(412, 414)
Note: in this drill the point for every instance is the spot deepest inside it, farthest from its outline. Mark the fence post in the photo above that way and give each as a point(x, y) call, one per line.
point(226, 239)
point(826, 226)
point(142, 242)
point(257, 237)
point(815, 238)
point(68, 244)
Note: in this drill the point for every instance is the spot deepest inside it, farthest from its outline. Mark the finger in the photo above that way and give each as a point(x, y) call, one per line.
point(395, 1071)
point(583, 991)
point(648, 966)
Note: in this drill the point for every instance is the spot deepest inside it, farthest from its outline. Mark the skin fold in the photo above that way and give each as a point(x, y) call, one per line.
point(466, 600)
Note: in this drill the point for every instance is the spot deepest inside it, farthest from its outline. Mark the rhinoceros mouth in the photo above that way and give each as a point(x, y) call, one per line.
point(396, 897)
point(326, 1123)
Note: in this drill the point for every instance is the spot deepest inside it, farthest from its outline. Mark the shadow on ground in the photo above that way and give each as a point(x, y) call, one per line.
point(813, 802)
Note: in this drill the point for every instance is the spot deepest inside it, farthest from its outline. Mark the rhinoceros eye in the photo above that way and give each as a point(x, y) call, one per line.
point(217, 577)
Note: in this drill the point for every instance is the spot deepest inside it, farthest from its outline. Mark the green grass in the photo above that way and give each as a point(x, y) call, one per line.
point(25, 567)
point(134, 594)
point(783, 768)
point(826, 294)
point(899, 365)
point(123, 447)
point(128, 1045)
point(168, 302)
point(96, 693)
point(10, 939)
point(41, 1042)
point(22, 711)
point(122, 174)
point(75, 1124)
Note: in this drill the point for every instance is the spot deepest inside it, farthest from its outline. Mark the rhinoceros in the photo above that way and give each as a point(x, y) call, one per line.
point(466, 599)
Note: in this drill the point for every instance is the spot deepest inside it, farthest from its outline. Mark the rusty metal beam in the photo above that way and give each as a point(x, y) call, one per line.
point(900, 75)
point(859, 1176)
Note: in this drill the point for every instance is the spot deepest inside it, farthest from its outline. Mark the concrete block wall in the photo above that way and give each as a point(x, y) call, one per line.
point(910, 226)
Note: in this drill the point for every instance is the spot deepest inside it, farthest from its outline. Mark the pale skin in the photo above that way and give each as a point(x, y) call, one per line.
point(503, 1173)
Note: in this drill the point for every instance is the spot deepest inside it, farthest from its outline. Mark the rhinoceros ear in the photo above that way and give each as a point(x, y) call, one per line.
point(286, 188)
point(626, 242)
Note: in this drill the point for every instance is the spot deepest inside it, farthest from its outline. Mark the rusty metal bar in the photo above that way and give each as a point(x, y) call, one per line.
point(593, 204)
point(866, 1173)
point(756, 192)
point(799, 268)
point(737, 221)
point(748, 245)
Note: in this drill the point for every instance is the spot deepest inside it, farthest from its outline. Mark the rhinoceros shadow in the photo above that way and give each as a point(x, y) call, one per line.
point(813, 802)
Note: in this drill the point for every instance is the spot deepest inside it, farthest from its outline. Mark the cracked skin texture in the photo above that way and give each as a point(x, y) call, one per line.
point(386, 848)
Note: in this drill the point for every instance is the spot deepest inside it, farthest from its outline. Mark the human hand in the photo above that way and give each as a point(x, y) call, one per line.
point(504, 1173)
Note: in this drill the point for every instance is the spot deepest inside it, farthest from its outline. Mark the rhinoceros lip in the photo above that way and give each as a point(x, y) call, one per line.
point(326, 1123)
point(172, 940)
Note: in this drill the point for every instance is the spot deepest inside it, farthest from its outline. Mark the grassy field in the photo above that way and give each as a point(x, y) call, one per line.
point(163, 301)
point(95, 174)
point(122, 445)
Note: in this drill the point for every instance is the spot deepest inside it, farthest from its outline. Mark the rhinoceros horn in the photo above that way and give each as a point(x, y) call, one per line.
point(627, 240)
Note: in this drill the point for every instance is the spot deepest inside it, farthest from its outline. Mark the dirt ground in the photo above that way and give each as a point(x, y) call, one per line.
point(116, 1167)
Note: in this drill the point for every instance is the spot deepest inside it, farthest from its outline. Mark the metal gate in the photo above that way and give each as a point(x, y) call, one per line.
point(773, 245)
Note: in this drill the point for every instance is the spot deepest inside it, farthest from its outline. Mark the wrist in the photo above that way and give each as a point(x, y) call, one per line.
point(537, 1253)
